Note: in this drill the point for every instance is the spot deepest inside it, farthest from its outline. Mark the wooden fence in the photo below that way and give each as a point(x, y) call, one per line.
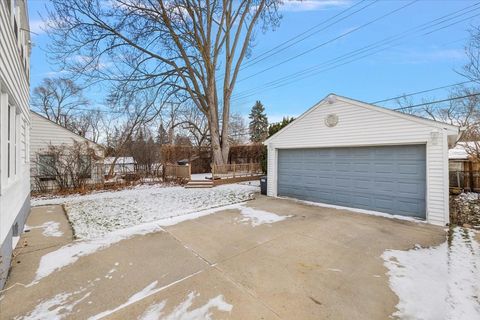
point(465, 180)
point(175, 171)
point(232, 171)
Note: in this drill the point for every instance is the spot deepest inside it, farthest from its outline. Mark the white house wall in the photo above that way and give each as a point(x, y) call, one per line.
point(360, 126)
point(45, 133)
point(14, 91)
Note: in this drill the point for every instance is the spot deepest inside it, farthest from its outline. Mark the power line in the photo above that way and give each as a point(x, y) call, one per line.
point(437, 101)
point(329, 41)
point(277, 49)
point(310, 71)
point(367, 48)
point(424, 91)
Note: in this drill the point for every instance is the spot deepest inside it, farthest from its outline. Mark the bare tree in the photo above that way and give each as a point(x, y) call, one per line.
point(60, 100)
point(192, 48)
point(238, 129)
point(70, 166)
point(195, 125)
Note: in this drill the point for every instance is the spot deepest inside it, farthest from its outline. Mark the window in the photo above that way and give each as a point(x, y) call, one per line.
point(85, 167)
point(46, 166)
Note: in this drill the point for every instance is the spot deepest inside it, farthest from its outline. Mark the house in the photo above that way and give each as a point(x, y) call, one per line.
point(123, 165)
point(51, 146)
point(349, 153)
point(463, 169)
point(460, 159)
point(14, 127)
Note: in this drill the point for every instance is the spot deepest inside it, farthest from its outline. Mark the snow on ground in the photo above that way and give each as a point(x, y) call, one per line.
point(201, 176)
point(257, 217)
point(370, 212)
point(181, 311)
point(55, 308)
point(96, 214)
point(442, 282)
point(71, 252)
point(144, 293)
point(50, 229)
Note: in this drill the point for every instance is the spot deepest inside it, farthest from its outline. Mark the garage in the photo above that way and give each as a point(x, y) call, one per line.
point(355, 155)
point(389, 179)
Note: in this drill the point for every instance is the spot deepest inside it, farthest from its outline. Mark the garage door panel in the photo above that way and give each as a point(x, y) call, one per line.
point(387, 179)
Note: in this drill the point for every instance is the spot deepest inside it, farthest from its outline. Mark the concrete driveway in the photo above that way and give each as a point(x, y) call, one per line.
point(319, 263)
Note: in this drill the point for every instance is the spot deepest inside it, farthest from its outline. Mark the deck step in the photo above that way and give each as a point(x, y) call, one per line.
point(199, 184)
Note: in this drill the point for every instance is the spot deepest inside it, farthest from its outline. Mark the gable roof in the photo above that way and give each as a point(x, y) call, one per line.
point(65, 129)
point(334, 97)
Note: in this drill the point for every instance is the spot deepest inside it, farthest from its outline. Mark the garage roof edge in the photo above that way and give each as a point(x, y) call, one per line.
point(436, 124)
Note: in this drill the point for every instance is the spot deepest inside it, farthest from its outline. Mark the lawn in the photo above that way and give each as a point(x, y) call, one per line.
point(96, 214)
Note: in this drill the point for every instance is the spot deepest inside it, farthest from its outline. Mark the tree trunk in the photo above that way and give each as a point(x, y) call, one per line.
point(218, 147)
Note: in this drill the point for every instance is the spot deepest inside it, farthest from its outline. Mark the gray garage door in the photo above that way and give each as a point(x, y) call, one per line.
point(386, 179)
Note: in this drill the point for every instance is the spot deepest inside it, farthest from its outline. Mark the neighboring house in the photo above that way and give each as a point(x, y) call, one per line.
point(14, 127)
point(348, 153)
point(460, 160)
point(122, 165)
point(44, 134)
point(464, 170)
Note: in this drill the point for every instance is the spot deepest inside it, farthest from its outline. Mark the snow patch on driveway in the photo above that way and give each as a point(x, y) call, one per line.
point(144, 293)
point(50, 229)
point(181, 311)
point(56, 307)
point(70, 253)
point(258, 217)
point(97, 214)
point(442, 282)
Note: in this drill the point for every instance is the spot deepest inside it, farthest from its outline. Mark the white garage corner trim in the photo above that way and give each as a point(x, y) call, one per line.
point(348, 153)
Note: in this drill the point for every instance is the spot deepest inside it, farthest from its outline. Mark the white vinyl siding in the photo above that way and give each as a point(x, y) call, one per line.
point(359, 125)
point(44, 133)
point(14, 99)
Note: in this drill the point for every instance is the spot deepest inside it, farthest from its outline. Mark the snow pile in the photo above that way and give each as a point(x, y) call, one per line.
point(258, 217)
point(181, 311)
point(468, 196)
point(96, 214)
point(442, 282)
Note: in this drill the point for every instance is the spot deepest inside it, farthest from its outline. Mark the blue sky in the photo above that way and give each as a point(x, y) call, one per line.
point(414, 63)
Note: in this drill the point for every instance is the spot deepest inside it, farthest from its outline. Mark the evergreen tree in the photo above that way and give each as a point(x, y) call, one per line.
point(275, 127)
point(162, 135)
point(258, 123)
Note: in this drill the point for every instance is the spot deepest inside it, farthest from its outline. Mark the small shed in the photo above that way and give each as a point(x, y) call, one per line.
point(348, 153)
point(123, 165)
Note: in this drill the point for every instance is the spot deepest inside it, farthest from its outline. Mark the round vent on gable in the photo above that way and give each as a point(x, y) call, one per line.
point(331, 120)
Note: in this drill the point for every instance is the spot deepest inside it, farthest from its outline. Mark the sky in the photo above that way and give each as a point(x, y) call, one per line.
point(425, 54)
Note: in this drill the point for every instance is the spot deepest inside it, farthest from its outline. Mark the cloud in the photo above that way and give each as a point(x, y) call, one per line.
point(312, 5)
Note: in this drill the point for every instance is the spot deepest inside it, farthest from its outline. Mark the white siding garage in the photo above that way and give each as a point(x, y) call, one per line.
point(352, 154)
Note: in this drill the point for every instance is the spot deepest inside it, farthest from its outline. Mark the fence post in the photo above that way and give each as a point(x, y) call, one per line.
point(458, 179)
